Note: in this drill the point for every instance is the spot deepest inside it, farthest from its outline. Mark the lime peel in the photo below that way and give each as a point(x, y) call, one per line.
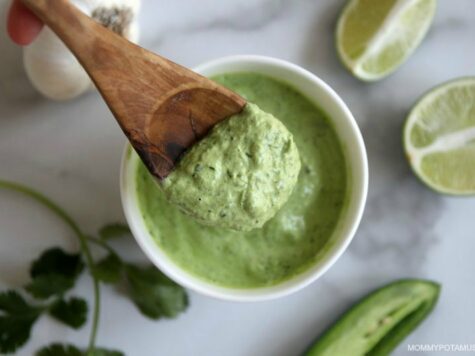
point(390, 32)
point(444, 159)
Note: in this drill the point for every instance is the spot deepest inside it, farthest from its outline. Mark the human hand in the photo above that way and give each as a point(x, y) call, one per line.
point(22, 25)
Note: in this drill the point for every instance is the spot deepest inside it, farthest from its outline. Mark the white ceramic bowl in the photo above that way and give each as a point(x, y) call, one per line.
point(347, 130)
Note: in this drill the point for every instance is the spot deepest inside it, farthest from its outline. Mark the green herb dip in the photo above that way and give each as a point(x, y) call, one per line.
point(239, 175)
point(296, 237)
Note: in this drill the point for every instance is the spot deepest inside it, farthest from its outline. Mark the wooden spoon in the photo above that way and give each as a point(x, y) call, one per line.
point(162, 107)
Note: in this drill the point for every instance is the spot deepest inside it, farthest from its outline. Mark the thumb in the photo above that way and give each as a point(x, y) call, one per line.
point(22, 25)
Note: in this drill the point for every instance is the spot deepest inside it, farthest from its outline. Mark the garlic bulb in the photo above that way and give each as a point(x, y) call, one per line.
point(52, 68)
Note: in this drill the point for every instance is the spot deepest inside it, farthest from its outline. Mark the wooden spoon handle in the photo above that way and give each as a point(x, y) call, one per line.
point(162, 107)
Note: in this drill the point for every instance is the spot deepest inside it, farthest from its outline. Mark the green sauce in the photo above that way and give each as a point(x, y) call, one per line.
point(239, 175)
point(296, 237)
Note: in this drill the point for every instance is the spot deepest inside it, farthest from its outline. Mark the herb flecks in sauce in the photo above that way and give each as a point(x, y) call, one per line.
point(296, 237)
point(239, 175)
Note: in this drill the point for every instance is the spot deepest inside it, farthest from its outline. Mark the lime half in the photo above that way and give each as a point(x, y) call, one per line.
point(439, 137)
point(374, 37)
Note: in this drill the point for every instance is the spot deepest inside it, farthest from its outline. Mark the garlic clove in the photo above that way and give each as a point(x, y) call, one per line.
point(52, 68)
point(132, 33)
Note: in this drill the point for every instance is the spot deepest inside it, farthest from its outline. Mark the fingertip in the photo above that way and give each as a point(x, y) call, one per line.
point(22, 26)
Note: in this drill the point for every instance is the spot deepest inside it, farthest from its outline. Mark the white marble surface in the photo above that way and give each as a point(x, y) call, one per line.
point(71, 151)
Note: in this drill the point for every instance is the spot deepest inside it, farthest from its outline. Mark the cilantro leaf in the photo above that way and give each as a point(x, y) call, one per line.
point(59, 350)
point(54, 273)
point(15, 332)
point(72, 312)
point(155, 294)
point(71, 350)
point(109, 269)
point(16, 321)
point(112, 231)
point(45, 286)
point(12, 302)
point(56, 261)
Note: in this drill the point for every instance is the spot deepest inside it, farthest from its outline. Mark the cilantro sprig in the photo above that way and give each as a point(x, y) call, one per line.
point(54, 275)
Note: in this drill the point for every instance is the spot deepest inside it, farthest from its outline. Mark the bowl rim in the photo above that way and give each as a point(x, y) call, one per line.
point(359, 190)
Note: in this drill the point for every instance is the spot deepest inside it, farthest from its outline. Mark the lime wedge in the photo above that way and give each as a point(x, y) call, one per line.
point(439, 137)
point(374, 37)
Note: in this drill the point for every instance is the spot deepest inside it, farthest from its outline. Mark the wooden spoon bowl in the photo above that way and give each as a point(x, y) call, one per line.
point(162, 107)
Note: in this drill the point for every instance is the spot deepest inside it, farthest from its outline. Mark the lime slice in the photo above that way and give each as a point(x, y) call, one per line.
point(374, 37)
point(439, 137)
